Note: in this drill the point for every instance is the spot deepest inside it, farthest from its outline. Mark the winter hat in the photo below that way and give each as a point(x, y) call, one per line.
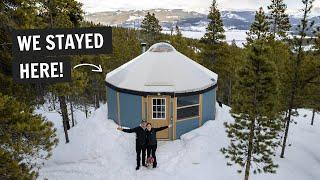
point(143, 121)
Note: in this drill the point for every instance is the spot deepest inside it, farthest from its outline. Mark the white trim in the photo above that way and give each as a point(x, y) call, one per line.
point(165, 108)
point(118, 108)
point(181, 107)
point(188, 118)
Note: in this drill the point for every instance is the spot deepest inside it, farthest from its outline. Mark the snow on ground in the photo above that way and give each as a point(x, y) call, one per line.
point(231, 34)
point(53, 115)
point(98, 151)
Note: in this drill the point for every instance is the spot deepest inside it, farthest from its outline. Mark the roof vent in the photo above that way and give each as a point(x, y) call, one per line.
point(161, 47)
point(143, 47)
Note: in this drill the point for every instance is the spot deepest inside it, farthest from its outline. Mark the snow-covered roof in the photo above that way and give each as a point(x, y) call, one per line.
point(162, 69)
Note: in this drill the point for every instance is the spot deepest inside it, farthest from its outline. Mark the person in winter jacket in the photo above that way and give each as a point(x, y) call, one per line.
point(151, 136)
point(140, 141)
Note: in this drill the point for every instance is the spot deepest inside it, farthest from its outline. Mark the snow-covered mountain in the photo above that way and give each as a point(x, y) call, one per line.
point(186, 20)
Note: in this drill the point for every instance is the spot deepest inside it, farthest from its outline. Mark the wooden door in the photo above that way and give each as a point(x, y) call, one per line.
point(159, 114)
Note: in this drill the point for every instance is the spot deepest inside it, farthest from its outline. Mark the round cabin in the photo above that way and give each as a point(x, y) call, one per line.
point(163, 87)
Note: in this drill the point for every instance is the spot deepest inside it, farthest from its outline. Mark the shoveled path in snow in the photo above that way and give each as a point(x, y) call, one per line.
point(98, 151)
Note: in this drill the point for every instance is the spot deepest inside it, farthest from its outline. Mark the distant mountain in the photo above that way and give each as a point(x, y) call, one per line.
point(186, 20)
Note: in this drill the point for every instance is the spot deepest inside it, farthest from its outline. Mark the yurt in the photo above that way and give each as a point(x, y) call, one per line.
point(163, 87)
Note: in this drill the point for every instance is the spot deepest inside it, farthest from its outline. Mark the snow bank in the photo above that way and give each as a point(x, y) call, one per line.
point(98, 151)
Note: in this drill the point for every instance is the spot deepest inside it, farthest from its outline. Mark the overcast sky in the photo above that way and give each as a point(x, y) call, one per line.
point(191, 5)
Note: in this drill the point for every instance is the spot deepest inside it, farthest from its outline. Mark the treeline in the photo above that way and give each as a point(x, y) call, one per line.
point(264, 83)
point(26, 138)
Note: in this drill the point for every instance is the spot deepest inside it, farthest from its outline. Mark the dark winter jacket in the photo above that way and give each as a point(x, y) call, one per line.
point(152, 135)
point(140, 134)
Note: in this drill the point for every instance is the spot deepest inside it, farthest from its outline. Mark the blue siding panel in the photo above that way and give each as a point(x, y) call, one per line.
point(130, 110)
point(112, 104)
point(209, 106)
point(185, 126)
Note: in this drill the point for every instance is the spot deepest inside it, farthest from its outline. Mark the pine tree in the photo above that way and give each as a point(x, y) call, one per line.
point(311, 98)
point(254, 133)
point(214, 31)
point(295, 73)
point(63, 90)
point(151, 28)
point(278, 17)
point(213, 48)
point(25, 138)
point(259, 28)
point(178, 41)
point(316, 45)
point(12, 169)
point(64, 14)
point(280, 54)
point(310, 71)
point(178, 32)
point(280, 50)
point(20, 14)
point(61, 13)
point(228, 58)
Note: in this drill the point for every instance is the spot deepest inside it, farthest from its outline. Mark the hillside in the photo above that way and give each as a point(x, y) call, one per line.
point(98, 151)
point(186, 20)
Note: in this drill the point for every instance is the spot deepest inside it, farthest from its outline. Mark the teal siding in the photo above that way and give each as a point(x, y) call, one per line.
point(112, 104)
point(185, 126)
point(209, 106)
point(130, 110)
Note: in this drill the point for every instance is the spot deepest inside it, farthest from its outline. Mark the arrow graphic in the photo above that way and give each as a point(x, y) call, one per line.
point(98, 68)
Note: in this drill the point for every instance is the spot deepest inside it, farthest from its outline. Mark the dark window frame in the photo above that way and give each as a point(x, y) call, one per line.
point(188, 105)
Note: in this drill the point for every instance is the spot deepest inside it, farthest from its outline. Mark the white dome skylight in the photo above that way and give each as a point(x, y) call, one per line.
point(161, 47)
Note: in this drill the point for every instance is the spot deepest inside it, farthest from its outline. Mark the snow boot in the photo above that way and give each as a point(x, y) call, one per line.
point(138, 167)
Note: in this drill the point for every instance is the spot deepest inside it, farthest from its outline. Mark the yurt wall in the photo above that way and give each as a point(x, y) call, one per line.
point(112, 104)
point(127, 112)
point(184, 126)
point(165, 88)
point(130, 110)
point(209, 105)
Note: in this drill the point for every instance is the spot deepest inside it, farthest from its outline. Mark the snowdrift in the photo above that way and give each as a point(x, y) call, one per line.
point(98, 151)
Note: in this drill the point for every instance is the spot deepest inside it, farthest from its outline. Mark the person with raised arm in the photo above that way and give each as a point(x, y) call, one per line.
point(140, 142)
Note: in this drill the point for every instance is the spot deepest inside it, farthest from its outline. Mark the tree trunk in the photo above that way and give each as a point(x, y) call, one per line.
point(53, 102)
point(274, 28)
point(286, 134)
point(303, 30)
point(230, 91)
point(285, 119)
point(97, 100)
point(64, 114)
point(312, 119)
point(291, 105)
point(250, 147)
point(96, 90)
point(72, 115)
point(86, 111)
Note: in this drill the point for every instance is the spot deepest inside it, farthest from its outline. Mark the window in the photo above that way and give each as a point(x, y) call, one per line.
point(158, 108)
point(187, 107)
